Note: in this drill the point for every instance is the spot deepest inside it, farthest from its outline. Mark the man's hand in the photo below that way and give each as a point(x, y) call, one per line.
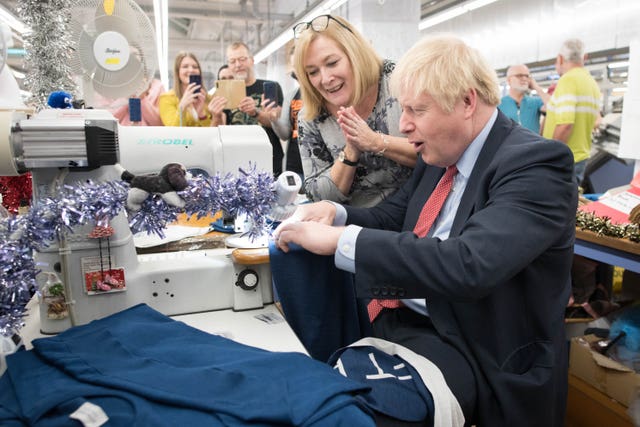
point(321, 239)
point(322, 212)
point(248, 105)
point(313, 223)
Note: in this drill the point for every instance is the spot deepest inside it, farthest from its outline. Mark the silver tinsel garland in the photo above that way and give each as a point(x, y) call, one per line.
point(48, 49)
point(250, 193)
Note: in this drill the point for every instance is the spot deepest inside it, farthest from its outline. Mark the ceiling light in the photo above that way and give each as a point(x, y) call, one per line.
point(448, 14)
point(161, 18)
point(327, 6)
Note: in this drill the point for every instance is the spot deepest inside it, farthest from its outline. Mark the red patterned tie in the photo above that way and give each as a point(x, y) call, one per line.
point(428, 215)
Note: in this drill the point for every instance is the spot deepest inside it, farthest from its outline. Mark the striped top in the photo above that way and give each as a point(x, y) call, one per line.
point(576, 101)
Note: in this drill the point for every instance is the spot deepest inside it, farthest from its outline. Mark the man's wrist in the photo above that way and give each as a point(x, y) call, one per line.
point(257, 112)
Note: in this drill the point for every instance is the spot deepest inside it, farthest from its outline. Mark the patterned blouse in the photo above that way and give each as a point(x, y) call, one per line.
point(321, 141)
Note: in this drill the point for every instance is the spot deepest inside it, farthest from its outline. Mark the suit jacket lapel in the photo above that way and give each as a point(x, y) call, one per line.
point(497, 135)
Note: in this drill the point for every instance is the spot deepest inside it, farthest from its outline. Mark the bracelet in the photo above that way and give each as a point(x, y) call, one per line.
point(257, 112)
point(385, 141)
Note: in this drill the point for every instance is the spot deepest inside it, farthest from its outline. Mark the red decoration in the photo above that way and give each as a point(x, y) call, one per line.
point(100, 232)
point(16, 191)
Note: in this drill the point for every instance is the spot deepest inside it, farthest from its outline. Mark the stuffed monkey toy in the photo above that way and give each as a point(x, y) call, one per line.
point(171, 179)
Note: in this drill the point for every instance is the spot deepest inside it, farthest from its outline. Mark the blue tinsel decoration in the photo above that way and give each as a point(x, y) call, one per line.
point(250, 193)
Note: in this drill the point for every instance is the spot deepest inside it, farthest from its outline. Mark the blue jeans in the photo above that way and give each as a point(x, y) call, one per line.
point(578, 171)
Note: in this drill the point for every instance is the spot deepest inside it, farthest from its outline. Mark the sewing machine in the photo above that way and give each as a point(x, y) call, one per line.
point(70, 146)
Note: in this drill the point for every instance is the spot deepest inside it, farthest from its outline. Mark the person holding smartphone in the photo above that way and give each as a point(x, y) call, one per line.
point(351, 148)
point(250, 111)
point(284, 120)
point(188, 103)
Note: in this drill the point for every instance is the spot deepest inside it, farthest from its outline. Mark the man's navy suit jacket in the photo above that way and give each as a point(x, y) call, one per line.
point(497, 287)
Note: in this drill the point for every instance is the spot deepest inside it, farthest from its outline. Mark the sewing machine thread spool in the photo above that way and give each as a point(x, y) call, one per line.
point(286, 188)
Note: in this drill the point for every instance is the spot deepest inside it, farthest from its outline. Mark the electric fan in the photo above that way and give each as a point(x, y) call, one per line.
point(113, 47)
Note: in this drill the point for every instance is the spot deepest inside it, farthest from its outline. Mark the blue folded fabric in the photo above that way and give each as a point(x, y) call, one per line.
point(143, 368)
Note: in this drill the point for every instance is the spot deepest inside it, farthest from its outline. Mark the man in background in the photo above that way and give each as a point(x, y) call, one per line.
point(574, 106)
point(518, 105)
point(249, 111)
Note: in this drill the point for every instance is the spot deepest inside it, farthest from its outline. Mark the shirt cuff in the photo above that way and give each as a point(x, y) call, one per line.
point(341, 214)
point(346, 252)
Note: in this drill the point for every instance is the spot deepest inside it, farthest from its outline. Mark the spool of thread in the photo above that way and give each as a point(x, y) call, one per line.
point(135, 112)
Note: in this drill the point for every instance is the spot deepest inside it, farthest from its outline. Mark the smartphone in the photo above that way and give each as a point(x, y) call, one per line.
point(135, 111)
point(270, 91)
point(197, 79)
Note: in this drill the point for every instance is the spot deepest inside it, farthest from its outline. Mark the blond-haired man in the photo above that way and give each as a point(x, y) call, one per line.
point(483, 289)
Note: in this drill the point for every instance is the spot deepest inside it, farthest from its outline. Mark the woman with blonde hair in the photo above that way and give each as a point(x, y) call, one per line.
point(188, 103)
point(351, 147)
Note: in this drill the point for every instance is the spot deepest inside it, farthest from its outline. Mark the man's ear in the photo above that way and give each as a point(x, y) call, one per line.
point(470, 100)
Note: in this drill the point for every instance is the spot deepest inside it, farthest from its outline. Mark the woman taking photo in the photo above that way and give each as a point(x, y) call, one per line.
point(352, 151)
point(188, 103)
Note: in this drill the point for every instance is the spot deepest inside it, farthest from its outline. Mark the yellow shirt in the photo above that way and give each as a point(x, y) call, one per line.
point(576, 101)
point(170, 112)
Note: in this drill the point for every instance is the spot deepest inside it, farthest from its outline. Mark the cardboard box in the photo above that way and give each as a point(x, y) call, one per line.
point(588, 407)
point(610, 377)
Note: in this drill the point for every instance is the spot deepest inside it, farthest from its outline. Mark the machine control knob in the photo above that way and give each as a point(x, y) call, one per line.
point(248, 279)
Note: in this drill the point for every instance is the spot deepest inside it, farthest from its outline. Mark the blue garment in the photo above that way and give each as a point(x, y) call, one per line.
point(527, 115)
point(397, 389)
point(143, 368)
point(324, 312)
point(319, 303)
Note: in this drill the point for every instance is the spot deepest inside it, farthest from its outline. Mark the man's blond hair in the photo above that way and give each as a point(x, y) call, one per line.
point(445, 68)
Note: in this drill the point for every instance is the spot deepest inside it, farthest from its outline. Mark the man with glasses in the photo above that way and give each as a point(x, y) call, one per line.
point(249, 111)
point(518, 105)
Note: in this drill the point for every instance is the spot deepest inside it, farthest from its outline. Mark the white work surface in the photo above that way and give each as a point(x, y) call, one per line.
point(264, 328)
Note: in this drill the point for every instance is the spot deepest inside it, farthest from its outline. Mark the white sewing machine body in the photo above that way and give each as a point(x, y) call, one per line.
point(173, 283)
